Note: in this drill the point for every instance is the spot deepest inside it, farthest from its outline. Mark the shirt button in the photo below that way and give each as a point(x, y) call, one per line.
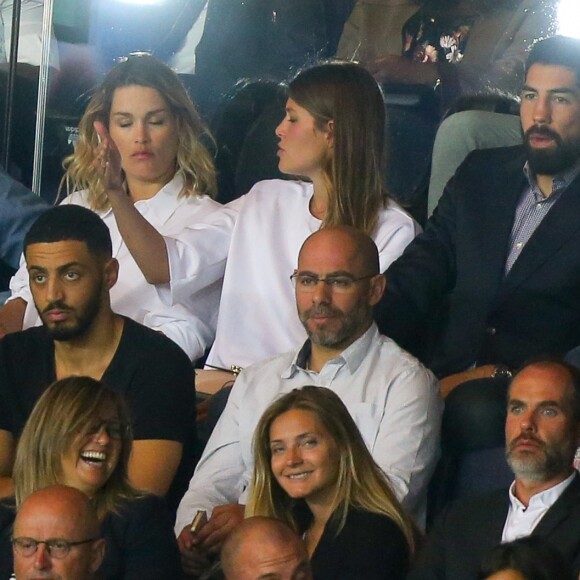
point(491, 330)
point(520, 245)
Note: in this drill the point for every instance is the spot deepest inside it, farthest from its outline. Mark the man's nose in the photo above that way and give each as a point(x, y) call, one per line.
point(42, 559)
point(542, 110)
point(322, 292)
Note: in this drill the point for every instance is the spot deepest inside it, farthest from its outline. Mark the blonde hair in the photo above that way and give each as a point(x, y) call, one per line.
point(348, 95)
point(193, 159)
point(360, 483)
point(65, 412)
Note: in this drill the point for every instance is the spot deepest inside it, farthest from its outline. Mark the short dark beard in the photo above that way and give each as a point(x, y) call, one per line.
point(352, 325)
point(551, 160)
point(85, 318)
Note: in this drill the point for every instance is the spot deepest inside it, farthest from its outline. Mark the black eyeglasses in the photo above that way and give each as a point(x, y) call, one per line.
point(339, 283)
point(57, 548)
point(115, 429)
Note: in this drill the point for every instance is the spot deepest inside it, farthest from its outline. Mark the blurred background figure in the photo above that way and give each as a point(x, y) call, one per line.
point(530, 558)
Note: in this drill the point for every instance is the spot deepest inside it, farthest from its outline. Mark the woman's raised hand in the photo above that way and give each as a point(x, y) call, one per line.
point(108, 161)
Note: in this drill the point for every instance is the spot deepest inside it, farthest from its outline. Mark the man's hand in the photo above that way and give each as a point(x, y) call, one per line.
point(197, 548)
point(224, 519)
point(448, 384)
point(193, 560)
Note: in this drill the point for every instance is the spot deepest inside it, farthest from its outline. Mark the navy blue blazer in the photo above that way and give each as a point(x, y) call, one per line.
point(449, 283)
point(470, 528)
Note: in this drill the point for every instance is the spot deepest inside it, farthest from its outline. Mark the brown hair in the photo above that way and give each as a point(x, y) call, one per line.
point(64, 412)
point(347, 94)
point(360, 482)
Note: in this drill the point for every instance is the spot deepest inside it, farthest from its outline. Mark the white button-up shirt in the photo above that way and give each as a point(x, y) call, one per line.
point(522, 520)
point(393, 399)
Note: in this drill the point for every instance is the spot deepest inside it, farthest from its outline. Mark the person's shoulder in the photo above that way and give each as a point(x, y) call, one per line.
point(391, 352)
point(25, 340)
point(376, 522)
point(151, 344)
point(393, 214)
point(497, 155)
point(140, 508)
point(269, 365)
point(270, 191)
point(468, 510)
point(81, 197)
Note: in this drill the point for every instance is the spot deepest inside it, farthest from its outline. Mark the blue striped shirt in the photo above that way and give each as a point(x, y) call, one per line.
point(532, 208)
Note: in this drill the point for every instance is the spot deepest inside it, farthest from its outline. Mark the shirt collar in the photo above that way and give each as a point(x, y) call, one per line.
point(163, 204)
point(352, 356)
point(561, 181)
point(546, 498)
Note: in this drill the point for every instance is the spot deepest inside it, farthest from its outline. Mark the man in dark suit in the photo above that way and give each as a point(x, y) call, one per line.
point(542, 432)
point(495, 277)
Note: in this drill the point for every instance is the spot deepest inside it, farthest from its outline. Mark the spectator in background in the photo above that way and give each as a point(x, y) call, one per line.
point(19, 207)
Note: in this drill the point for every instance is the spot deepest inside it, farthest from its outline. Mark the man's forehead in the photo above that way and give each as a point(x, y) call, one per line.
point(552, 76)
point(541, 383)
point(64, 252)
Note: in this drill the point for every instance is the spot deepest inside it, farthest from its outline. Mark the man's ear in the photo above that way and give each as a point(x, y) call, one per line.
point(111, 272)
point(97, 554)
point(377, 287)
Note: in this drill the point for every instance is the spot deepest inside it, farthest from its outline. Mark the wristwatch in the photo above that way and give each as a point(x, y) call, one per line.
point(501, 372)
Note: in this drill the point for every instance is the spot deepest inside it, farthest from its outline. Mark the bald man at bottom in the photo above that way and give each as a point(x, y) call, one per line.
point(264, 548)
point(56, 536)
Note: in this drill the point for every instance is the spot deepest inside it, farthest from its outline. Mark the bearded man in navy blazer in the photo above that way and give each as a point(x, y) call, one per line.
point(495, 278)
point(542, 432)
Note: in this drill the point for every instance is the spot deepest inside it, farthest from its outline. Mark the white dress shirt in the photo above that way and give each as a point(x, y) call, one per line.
point(393, 399)
point(266, 228)
point(191, 327)
point(522, 520)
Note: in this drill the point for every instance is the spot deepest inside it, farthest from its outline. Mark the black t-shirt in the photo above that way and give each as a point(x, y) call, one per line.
point(151, 372)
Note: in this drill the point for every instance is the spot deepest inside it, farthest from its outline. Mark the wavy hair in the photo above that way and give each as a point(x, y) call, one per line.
point(65, 412)
point(348, 95)
point(193, 159)
point(360, 482)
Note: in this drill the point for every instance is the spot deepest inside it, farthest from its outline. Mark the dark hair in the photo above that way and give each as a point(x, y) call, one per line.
point(534, 558)
point(573, 372)
point(71, 222)
point(556, 50)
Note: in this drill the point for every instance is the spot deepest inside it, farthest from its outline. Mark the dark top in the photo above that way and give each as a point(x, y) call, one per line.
point(451, 279)
point(140, 543)
point(151, 372)
point(469, 529)
point(369, 547)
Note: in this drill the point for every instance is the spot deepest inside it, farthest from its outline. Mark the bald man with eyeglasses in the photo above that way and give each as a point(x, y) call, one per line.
point(393, 399)
point(56, 535)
